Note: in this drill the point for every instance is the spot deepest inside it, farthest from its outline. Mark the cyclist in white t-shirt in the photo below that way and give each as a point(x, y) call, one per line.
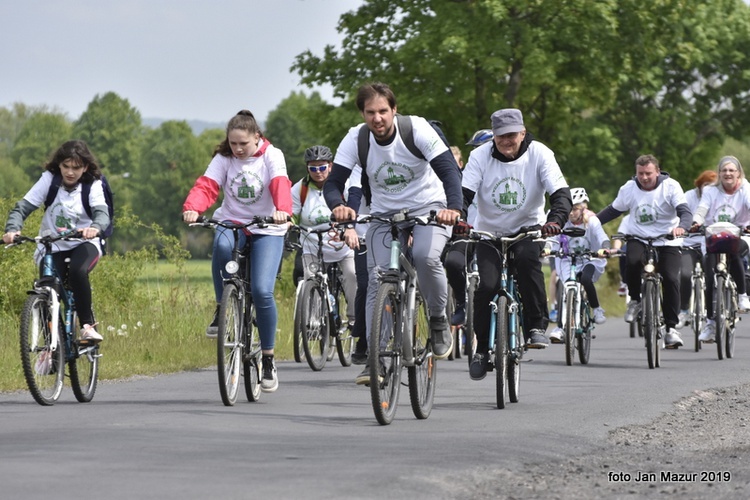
point(657, 206)
point(423, 184)
point(510, 177)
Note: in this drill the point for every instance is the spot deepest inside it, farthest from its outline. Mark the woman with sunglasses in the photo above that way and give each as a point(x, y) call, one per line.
point(310, 211)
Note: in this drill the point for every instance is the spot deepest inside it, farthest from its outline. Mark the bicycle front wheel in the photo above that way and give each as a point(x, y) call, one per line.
point(502, 353)
point(315, 329)
point(251, 356)
point(299, 351)
point(650, 322)
point(423, 374)
point(569, 326)
point(730, 301)
point(43, 368)
point(470, 343)
point(721, 314)
point(344, 341)
point(698, 311)
point(228, 344)
point(385, 353)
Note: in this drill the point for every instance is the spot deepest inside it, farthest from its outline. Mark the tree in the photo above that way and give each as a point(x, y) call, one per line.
point(299, 122)
point(42, 133)
point(113, 130)
point(599, 82)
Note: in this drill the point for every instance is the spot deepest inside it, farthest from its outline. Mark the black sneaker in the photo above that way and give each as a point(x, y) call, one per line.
point(213, 329)
point(459, 316)
point(269, 382)
point(537, 339)
point(478, 367)
point(442, 338)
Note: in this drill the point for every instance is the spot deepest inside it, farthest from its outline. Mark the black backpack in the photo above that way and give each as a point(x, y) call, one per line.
point(406, 131)
point(85, 193)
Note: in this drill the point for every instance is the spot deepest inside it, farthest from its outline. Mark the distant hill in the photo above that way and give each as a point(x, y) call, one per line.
point(198, 126)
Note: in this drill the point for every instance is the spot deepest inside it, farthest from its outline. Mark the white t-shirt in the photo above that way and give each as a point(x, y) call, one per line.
point(652, 213)
point(66, 211)
point(693, 199)
point(399, 180)
point(723, 207)
point(591, 241)
point(510, 195)
point(315, 214)
point(245, 184)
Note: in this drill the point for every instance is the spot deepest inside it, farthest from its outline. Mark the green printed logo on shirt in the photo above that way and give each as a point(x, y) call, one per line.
point(508, 194)
point(645, 215)
point(725, 213)
point(393, 177)
point(246, 187)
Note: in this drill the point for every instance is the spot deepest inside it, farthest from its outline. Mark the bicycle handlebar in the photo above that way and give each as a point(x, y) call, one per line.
point(73, 234)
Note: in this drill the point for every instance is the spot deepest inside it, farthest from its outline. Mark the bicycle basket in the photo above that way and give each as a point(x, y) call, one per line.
point(722, 237)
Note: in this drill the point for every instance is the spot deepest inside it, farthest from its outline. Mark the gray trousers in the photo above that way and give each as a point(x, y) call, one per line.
point(426, 246)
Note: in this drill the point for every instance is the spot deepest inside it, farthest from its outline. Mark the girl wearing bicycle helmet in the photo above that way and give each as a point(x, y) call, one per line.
point(591, 269)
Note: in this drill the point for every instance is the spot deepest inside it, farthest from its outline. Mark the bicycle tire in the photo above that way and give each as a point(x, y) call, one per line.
point(450, 308)
point(731, 301)
point(502, 353)
point(251, 354)
point(650, 322)
point(299, 351)
point(315, 328)
point(344, 341)
point(569, 327)
point(43, 369)
point(586, 326)
point(470, 340)
point(83, 367)
point(228, 344)
point(720, 314)
point(385, 353)
point(697, 312)
point(514, 357)
point(423, 375)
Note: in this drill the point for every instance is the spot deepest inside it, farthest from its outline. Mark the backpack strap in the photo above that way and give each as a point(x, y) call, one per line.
point(303, 191)
point(406, 131)
point(53, 189)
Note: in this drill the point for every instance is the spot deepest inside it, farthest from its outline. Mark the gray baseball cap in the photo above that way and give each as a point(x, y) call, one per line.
point(506, 121)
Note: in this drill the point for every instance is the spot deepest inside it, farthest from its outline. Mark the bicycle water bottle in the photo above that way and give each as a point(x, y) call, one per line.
point(47, 266)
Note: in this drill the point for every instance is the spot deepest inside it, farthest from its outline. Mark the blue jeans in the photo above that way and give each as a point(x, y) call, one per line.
point(265, 257)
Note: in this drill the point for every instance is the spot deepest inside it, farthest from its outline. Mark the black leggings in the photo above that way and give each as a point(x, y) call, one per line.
point(668, 266)
point(690, 257)
point(586, 278)
point(736, 270)
point(83, 258)
point(454, 261)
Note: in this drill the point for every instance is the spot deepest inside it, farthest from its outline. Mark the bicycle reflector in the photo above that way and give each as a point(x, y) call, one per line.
point(232, 267)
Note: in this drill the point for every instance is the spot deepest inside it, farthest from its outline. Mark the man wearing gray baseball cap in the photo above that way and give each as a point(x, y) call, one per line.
point(510, 176)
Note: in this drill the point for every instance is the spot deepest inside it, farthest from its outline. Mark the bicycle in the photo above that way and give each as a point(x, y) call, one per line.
point(697, 307)
point(238, 340)
point(472, 282)
point(650, 320)
point(49, 337)
point(577, 315)
point(722, 238)
point(400, 332)
point(321, 309)
point(506, 342)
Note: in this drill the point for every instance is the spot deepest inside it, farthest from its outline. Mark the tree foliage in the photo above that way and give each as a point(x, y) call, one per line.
point(40, 136)
point(599, 82)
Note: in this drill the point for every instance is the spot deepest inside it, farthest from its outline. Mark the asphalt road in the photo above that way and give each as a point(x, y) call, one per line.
point(316, 437)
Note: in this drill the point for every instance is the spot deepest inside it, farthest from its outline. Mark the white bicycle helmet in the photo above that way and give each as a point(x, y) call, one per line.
point(579, 196)
point(480, 137)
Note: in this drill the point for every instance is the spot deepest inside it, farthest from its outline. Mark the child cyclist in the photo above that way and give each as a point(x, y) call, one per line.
point(591, 269)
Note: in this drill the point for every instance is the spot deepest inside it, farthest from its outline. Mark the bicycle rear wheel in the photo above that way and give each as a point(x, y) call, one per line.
point(569, 327)
point(299, 351)
point(385, 353)
point(515, 351)
point(720, 314)
point(228, 344)
point(730, 301)
point(470, 343)
point(251, 356)
point(344, 341)
point(502, 353)
point(450, 308)
point(650, 322)
point(584, 336)
point(84, 368)
point(698, 311)
point(423, 374)
point(315, 328)
point(43, 368)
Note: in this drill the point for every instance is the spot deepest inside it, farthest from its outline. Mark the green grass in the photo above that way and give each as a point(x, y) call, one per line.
point(155, 321)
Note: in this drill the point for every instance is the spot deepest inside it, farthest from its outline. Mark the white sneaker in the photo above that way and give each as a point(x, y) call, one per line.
point(683, 319)
point(744, 303)
point(88, 334)
point(634, 307)
point(599, 316)
point(708, 333)
point(672, 339)
point(556, 336)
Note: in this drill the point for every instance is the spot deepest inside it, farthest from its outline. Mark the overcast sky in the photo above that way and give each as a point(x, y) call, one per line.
point(171, 59)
